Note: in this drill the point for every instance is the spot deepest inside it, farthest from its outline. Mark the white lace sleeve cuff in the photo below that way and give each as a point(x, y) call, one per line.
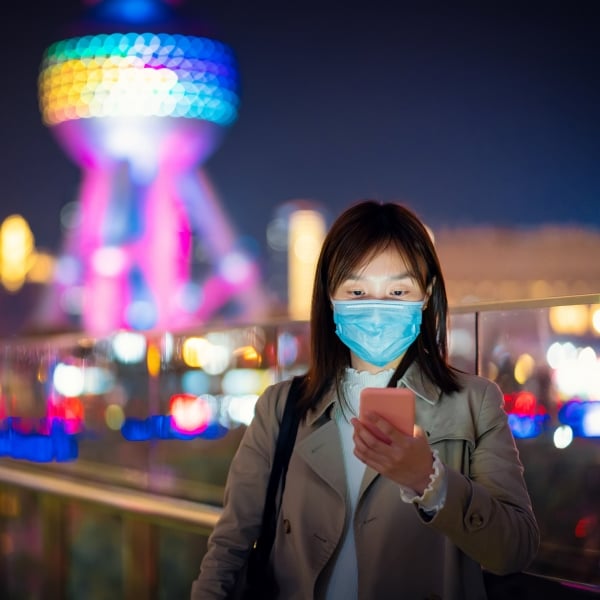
point(434, 496)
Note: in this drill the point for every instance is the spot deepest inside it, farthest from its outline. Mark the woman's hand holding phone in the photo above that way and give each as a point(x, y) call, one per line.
point(395, 405)
point(387, 439)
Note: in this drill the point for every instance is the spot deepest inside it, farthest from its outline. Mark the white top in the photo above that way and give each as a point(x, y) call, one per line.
point(343, 582)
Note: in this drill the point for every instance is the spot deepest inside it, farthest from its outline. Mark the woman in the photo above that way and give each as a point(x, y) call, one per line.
point(409, 517)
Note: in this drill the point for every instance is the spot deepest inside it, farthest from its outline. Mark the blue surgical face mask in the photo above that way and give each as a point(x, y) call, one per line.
point(377, 331)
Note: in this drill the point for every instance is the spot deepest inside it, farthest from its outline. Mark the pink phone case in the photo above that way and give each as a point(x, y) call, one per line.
point(396, 405)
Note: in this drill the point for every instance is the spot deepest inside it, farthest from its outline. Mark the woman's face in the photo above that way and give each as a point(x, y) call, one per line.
point(385, 276)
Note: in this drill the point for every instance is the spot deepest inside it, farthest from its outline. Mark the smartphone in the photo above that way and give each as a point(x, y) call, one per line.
point(396, 405)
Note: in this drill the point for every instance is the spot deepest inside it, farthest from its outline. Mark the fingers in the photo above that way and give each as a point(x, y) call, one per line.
point(404, 459)
point(374, 448)
point(368, 438)
point(373, 430)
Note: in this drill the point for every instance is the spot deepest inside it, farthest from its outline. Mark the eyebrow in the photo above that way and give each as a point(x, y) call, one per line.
point(406, 275)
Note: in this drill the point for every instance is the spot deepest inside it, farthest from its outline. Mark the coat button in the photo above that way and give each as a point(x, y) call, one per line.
point(476, 520)
point(286, 526)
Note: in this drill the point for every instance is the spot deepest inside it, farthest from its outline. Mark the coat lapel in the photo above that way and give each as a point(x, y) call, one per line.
point(322, 452)
point(368, 478)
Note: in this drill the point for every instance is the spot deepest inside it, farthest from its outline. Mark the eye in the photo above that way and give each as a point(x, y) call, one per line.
point(398, 293)
point(356, 293)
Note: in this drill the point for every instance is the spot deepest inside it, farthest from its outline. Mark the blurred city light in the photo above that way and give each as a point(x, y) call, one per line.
point(305, 236)
point(75, 380)
point(42, 268)
point(41, 441)
point(191, 414)
point(195, 381)
point(527, 418)
point(240, 409)
point(563, 436)
point(572, 320)
point(153, 361)
point(19, 261)
point(524, 368)
point(68, 380)
point(238, 382)
point(583, 417)
point(129, 347)
point(114, 417)
point(576, 371)
point(211, 357)
point(595, 319)
point(138, 74)
point(591, 420)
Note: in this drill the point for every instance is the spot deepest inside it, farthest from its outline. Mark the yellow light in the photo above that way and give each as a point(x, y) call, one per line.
point(595, 318)
point(192, 351)
point(569, 319)
point(524, 368)
point(42, 268)
point(305, 236)
point(248, 354)
point(540, 288)
point(16, 246)
point(114, 417)
point(153, 360)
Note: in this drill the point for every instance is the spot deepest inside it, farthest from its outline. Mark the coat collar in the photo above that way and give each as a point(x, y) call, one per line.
point(414, 379)
point(322, 408)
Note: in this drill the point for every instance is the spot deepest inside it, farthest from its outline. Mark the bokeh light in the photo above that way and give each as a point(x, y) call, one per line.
point(129, 347)
point(571, 320)
point(139, 74)
point(563, 436)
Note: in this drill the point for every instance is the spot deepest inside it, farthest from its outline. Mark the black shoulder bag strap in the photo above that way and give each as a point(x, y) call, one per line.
point(259, 556)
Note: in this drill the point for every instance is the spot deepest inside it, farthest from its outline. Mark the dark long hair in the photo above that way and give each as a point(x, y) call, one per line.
point(359, 233)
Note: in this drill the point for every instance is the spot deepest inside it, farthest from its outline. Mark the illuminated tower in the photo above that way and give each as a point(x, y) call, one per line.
point(139, 108)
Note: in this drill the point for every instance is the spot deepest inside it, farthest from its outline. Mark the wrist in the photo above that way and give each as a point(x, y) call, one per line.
point(424, 483)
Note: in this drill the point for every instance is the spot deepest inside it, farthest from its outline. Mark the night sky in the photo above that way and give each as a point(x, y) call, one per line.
point(471, 113)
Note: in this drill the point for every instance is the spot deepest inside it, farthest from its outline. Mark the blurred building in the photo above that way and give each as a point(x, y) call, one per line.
point(496, 264)
point(294, 237)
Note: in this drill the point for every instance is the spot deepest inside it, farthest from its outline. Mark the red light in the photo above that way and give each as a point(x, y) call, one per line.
point(68, 410)
point(584, 526)
point(190, 414)
point(523, 404)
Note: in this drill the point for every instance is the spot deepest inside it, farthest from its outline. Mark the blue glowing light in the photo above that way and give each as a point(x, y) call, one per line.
point(582, 416)
point(161, 427)
point(131, 11)
point(523, 427)
point(20, 441)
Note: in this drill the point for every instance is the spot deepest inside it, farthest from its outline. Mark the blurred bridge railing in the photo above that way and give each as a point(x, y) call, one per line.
point(114, 451)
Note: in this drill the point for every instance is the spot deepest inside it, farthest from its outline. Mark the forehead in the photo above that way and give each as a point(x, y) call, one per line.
point(390, 262)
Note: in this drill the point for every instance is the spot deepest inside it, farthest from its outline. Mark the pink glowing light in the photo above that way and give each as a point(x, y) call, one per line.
point(191, 414)
point(139, 113)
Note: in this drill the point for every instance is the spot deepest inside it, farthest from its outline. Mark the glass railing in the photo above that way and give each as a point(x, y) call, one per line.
point(97, 434)
point(545, 356)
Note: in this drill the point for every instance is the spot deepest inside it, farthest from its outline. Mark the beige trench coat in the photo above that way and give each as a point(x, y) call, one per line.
point(487, 520)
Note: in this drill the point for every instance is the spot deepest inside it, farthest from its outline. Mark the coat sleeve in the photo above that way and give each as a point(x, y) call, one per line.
point(244, 498)
point(488, 512)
